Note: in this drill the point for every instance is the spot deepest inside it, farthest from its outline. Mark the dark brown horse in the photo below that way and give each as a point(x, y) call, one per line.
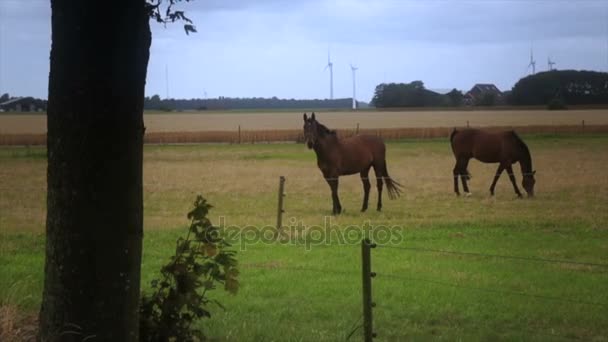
point(505, 148)
point(340, 157)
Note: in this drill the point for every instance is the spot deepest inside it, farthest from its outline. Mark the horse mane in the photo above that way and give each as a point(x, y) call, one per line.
point(527, 159)
point(324, 129)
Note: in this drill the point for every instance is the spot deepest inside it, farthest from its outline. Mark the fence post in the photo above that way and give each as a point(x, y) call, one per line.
point(239, 134)
point(367, 274)
point(583, 125)
point(280, 209)
point(357, 131)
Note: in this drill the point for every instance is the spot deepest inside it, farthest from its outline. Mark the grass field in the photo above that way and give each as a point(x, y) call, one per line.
point(309, 292)
point(230, 121)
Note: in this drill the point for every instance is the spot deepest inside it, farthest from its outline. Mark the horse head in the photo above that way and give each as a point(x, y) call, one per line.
point(310, 130)
point(314, 131)
point(528, 183)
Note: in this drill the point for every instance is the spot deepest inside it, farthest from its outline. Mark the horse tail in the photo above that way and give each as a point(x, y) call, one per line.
point(454, 131)
point(394, 188)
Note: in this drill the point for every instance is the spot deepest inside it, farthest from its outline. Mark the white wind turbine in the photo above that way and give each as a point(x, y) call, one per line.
point(550, 63)
point(330, 65)
point(353, 69)
point(532, 62)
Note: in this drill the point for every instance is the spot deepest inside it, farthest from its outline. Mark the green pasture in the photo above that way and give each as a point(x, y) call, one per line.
point(309, 289)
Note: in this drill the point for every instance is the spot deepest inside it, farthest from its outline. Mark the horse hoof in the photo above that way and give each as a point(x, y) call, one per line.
point(468, 194)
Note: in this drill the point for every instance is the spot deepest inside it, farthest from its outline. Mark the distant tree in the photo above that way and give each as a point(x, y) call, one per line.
point(5, 97)
point(412, 94)
point(569, 86)
point(155, 99)
point(456, 97)
point(153, 102)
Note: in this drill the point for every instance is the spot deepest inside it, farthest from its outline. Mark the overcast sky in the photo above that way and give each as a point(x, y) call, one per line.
point(279, 48)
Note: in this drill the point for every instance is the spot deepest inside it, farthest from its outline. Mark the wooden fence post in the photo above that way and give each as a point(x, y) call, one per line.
point(239, 134)
point(357, 131)
point(367, 275)
point(280, 209)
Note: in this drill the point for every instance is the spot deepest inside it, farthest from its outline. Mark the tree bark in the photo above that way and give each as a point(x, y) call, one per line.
point(94, 226)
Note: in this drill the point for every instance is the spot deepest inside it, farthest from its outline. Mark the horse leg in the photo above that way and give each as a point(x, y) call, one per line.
point(379, 176)
point(455, 172)
point(379, 185)
point(464, 175)
point(333, 184)
point(496, 176)
point(512, 178)
point(366, 187)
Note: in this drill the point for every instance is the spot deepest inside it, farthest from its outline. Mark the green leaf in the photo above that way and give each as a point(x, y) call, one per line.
point(200, 263)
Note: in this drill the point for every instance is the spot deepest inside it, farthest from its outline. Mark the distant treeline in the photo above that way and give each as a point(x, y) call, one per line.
point(571, 87)
point(37, 103)
point(227, 103)
point(555, 89)
point(414, 94)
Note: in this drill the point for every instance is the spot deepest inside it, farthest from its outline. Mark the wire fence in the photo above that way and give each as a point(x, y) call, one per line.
point(503, 292)
point(243, 136)
point(498, 290)
point(485, 255)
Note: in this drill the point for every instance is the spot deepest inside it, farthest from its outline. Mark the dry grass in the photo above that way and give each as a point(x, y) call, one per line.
point(15, 326)
point(241, 180)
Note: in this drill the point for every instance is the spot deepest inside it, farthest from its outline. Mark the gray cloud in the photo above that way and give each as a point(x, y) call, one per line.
point(277, 47)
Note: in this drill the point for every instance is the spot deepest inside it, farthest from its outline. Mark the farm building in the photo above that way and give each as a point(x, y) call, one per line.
point(479, 90)
point(22, 104)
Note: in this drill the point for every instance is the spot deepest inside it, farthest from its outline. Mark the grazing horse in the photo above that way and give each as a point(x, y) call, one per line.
point(347, 156)
point(505, 148)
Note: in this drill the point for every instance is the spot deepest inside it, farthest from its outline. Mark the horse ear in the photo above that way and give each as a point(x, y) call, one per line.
point(305, 118)
point(313, 116)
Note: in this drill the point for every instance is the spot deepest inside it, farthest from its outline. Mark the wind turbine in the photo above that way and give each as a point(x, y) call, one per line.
point(532, 62)
point(550, 63)
point(353, 69)
point(330, 65)
point(167, 79)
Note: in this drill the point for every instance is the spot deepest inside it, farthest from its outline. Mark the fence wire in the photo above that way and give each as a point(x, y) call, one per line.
point(512, 257)
point(491, 290)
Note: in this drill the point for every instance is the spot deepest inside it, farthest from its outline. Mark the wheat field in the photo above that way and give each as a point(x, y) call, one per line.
point(230, 121)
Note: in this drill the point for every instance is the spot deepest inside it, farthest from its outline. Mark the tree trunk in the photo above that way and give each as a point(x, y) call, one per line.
point(94, 227)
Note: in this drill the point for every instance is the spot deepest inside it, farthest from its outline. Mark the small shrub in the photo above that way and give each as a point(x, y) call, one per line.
point(556, 104)
point(202, 260)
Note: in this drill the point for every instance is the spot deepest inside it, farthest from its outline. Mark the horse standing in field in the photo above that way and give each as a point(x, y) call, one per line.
point(505, 148)
point(347, 156)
